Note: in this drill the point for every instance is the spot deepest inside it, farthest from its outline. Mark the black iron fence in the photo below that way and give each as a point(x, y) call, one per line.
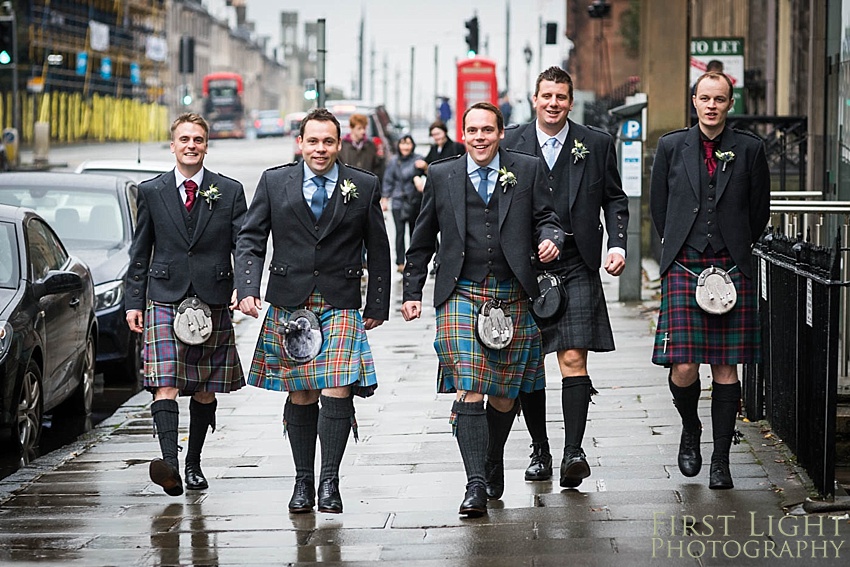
point(795, 385)
point(785, 143)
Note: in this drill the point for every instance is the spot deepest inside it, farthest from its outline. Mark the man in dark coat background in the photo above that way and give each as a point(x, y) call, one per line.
point(186, 228)
point(581, 171)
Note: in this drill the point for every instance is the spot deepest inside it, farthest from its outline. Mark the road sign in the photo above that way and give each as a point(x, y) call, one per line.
point(106, 68)
point(630, 130)
point(82, 62)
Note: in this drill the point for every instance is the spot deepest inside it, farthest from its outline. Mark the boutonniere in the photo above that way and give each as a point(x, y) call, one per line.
point(580, 151)
point(506, 178)
point(211, 194)
point(725, 157)
point(349, 191)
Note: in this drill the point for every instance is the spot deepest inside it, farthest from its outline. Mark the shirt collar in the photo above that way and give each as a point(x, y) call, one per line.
point(472, 167)
point(198, 178)
point(330, 176)
point(543, 137)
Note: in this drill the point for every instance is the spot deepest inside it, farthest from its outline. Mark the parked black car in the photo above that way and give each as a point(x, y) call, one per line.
point(48, 327)
point(94, 215)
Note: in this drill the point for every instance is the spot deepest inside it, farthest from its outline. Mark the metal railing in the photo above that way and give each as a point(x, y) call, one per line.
point(786, 143)
point(794, 386)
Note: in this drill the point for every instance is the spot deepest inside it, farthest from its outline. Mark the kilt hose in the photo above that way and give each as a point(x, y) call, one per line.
point(694, 336)
point(209, 367)
point(584, 324)
point(466, 364)
point(345, 358)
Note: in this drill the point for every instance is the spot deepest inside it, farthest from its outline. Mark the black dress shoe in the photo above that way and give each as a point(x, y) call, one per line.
point(574, 468)
point(495, 475)
point(303, 497)
point(474, 503)
point(540, 467)
point(330, 501)
point(166, 476)
point(195, 479)
point(690, 459)
point(719, 477)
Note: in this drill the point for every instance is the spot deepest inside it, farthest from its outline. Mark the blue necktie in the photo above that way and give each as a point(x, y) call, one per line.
point(483, 172)
point(320, 197)
point(549, 152)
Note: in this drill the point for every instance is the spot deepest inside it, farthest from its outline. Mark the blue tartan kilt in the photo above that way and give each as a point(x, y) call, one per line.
point(345, 358)
point(466, 364)
point(694, 336)
point(213, 366)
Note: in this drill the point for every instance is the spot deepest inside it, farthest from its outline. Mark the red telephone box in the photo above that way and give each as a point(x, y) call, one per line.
point(476, 82)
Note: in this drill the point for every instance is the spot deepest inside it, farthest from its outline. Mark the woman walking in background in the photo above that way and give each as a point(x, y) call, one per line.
point(400, 188)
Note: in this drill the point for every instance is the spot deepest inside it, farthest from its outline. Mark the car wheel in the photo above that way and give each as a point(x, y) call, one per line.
point(132, 369)
point(81, 402)
point(28, 413)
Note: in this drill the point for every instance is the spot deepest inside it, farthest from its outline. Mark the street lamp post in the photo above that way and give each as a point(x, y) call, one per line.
point(527, 52)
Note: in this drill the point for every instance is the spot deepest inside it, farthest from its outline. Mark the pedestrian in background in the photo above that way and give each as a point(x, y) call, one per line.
point(442, 147)
point(358, 150)
point(495, 212)
point(405, 198)
point(320, 213)
point(581, 167)
point(187, 223)
point(710, 201)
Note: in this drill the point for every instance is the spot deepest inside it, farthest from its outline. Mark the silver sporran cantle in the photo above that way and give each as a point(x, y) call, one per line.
point(715, 291)
point(494, 327)
point(302, 340)
point(193, 322)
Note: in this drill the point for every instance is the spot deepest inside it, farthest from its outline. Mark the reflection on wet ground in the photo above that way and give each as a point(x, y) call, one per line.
point(62, 430)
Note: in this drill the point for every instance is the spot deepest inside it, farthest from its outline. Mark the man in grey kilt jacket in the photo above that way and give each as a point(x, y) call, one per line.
point(186, 228)
point(581, 170)
point(495, 216)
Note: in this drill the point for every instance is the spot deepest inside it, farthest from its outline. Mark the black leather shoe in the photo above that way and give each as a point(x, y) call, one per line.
point(474, 503)
point(719, 477)
point(495, 475)
point(303, 497)
point(540, 467)
point(166, 476)
point(574, 468)
point(690, 459)
point(195, 479)
point(330, 501)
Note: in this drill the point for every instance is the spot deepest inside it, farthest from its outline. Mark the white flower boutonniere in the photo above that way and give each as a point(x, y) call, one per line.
point(580, 151)
point(211, 194)
point(506, 178)
point(349, 191)
point(725, 157)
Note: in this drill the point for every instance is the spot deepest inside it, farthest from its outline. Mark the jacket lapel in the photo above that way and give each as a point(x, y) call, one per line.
point(724, 169)
point(294, 191)
point(577, 133)
point(205, 212)
point(337, 202)
point(507, 192)
point(528, 140)
point(691, 156)
point(456, 184)
point(170, 196)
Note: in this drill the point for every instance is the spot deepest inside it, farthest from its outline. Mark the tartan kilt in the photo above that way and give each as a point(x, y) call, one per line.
point(213, 366)
point(345, 358)
point(465, 364)
point(584, 324)
point(699, 337)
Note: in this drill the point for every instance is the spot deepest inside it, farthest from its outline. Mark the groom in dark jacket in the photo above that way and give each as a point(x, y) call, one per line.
point(495, 214)
point(581, 170)
point(186, 228)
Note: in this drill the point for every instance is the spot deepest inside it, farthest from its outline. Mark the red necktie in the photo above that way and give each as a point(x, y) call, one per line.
point(191, 187)
point(710, 159)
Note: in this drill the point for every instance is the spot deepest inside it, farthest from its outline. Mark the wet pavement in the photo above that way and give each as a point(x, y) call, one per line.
point(92, 503)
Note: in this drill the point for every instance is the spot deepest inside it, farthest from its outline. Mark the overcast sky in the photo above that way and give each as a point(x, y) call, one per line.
point(393, 26)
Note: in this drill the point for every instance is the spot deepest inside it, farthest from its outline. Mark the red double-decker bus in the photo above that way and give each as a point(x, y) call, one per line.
point(223, 107)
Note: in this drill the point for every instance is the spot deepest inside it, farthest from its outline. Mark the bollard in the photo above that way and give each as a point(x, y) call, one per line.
point(41, 145)
point(10, 146)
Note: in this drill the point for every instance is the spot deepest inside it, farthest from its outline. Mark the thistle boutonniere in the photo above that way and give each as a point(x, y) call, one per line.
point(580, 151)
point(210, 194)
point(506, 178)
point(725, 157)
point(349, 191)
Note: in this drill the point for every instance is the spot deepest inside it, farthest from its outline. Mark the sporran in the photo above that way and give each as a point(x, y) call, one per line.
point(552, 301)
point(493, 327)
point(193, 322)
point(715, 292)
point(302, 339)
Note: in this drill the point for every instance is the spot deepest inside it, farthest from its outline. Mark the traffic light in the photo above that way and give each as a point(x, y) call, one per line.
point(311, 91)
point(472, 36)
point(186, 62)
point(7, 42)
point(186, 95)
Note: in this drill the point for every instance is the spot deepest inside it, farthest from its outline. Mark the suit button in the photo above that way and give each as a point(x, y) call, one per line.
point(247, 271)
point(318, 246)
point(708, 235)
point(137, 278)
point(380, 289)
point(710, 198)
point(487, 211)
point(250, 262)
point(316, 227)
point(378, 300)
point(620, 235)
point(138, 264)
point(462, 254)
point(135, 292)
point(316, 273)
point(710, 210)
point(696, 210)
point(247, 281)
point(711, 185)
point(190, 253)
point(379, 279)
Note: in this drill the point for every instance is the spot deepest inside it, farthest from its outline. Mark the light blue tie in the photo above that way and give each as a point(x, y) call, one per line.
point(549, 152)
point(320, 197)
point(483, 172)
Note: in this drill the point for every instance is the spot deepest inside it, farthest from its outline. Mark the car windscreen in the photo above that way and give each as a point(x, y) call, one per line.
point(83, 219)
point(8, 256)
point(137, 175)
